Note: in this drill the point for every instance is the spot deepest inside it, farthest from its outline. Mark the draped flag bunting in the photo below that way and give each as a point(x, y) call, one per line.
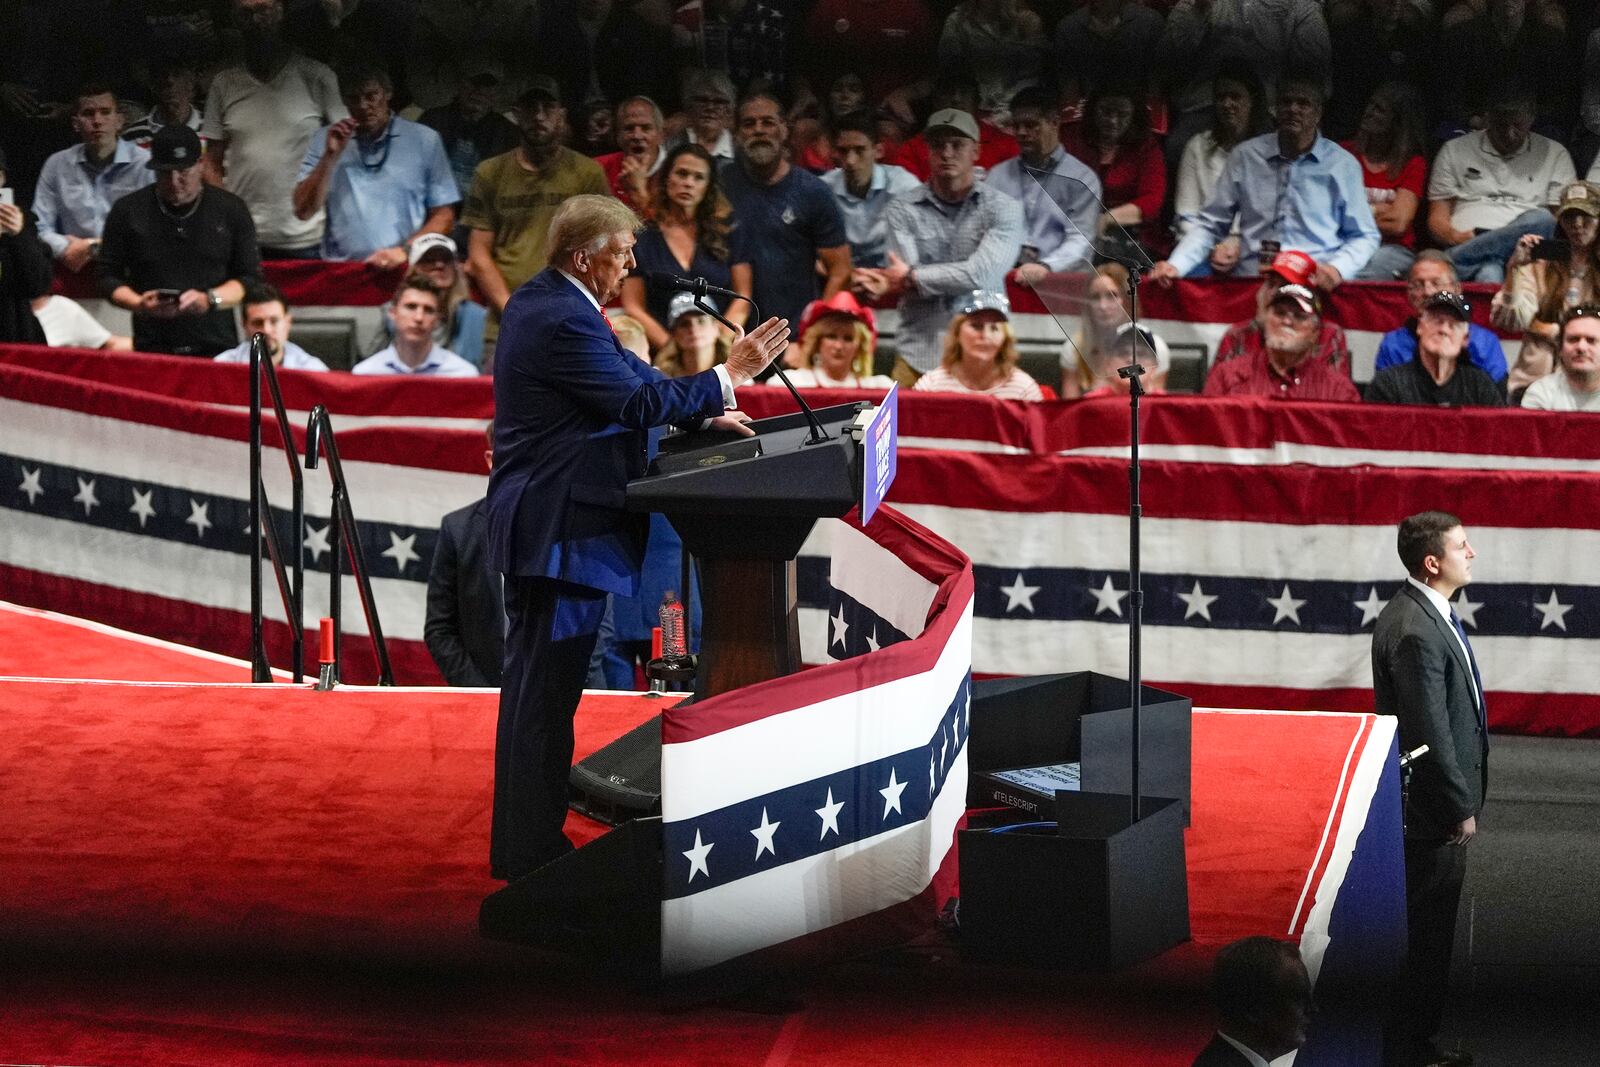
point(1268, 534)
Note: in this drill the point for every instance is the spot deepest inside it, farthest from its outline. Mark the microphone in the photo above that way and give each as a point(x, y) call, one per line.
point(1408, 758)
point(697, 286)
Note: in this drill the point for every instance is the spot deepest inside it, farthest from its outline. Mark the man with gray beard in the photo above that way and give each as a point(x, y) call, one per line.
point(1287, 364)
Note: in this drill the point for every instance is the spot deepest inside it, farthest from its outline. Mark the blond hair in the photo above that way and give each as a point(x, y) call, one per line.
point(631, 333)
point(585, 223)
point(1005, 359)
point(860, 363)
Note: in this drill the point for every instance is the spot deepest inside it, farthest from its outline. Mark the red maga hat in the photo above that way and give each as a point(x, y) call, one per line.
point(840, 303)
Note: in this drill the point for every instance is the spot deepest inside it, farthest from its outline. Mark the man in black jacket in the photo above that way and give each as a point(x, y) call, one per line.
point(1424, 673)
point(25, 272)
point(1263, 996)
point(466, 622)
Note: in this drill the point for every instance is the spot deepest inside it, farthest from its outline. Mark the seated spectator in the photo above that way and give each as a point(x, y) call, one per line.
point(708, 97)
point(1060, 196)
point(261, 118)
point(788, 219)
point(863, 187)
point(947, 239)
point(1376, 41)
point(173, 83)
point(1431, 273)
point(1130, 344)
point(887, 44)
point(25, 276)
point(1239, 111)
point(461, 326)
point(1263, 998)
point(418, 305)
point(1086, 358)
point(640, 128)
point(596, 132)
point(1001, 43)
point(1326, 214)
point(1539, 292)
point(1285, 360)
point(1488, 41)
point(1274, 37)
point(1115, 142)
point(1492, 186)
point(78, 185)
point(1575, 386)
point(469, 125)
point(67, 325)
point(264, 311)
point(691, 235)
point(1098, 43)
point(980, 353)
point(695, 343)
point(465, 622)
point(1437, 375)
point(384, 180)
point(838, 338)
point(1389, 146)
point(958, 93)
point(179, 254)
point(812, 139)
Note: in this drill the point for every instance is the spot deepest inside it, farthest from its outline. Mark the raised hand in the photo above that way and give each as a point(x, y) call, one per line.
point(752, 352)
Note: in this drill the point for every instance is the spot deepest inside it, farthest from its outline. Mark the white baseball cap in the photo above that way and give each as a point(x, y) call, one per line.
point(427, 243)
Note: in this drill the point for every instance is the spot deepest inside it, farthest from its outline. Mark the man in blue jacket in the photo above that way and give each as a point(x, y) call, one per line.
point(572, 408)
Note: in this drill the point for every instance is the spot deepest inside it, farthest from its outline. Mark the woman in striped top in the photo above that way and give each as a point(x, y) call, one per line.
point(980, 353)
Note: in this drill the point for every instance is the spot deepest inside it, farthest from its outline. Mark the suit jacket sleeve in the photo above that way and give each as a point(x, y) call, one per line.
point(1418, 673)
point(584, 362)
point(442, 629)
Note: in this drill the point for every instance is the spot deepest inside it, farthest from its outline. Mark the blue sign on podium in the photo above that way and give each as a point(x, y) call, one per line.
point(880, 451)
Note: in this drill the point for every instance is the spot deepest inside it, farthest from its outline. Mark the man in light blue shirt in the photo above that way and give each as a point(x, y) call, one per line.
point(78, 185)
point(863, 186)
point(416, 311)
point(264, 311)
point(1060, 198)
point(1290, 189)
point(385, 180)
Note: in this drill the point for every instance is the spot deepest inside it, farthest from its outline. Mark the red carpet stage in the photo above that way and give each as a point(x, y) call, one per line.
point(221, 873)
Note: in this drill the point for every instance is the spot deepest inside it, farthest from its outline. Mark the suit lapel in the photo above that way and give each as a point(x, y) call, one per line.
point(1451, 640)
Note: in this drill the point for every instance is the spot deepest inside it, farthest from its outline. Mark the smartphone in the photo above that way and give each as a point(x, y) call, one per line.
point(168, 296)
point(1553, 248)
point(8, 195)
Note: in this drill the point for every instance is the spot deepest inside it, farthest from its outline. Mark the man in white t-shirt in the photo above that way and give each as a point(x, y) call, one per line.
point(260, 118)
point(1490, 187)
point(1575, 386)
point(415, 312)
point(67, 325)
point(264, 311)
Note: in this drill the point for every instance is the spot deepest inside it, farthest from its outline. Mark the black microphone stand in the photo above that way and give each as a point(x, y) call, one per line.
point(1132, 372)
point(817, 434)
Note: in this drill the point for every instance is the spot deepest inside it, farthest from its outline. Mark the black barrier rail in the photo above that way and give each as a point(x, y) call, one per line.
point(342, 528)
point(292, 592)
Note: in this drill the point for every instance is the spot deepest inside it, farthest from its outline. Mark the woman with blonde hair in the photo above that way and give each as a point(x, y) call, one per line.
point(980, 353)
point(1084, 358)
point(694, 341)
point(838, 340)
point(1543, 284)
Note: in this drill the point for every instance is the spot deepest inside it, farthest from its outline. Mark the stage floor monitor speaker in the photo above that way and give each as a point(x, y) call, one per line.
point(600, 904)
point(621, 781)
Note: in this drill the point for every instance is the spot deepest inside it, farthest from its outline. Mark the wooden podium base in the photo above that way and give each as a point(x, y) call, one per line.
point(750, 624)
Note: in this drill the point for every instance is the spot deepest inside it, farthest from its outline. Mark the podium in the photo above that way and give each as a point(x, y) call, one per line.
point(744, 506)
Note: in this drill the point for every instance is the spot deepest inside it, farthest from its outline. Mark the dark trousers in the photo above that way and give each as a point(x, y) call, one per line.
point(539, 695)
point(1434, 873)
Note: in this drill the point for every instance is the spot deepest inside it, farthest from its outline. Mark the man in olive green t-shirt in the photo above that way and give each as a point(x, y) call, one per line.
point(514, 196)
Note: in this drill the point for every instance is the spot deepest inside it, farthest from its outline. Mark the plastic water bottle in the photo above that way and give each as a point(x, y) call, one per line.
point(673, 645)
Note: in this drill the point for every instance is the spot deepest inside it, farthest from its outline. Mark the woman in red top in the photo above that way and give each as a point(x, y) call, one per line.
point(1115, 142)
point(1389, 145)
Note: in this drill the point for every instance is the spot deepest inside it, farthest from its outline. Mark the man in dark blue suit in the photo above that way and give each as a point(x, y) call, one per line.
point(1425, 674)
point(572, 411)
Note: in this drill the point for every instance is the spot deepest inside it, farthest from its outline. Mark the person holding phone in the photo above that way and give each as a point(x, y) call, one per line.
point(1546, 278)
point(179, 254)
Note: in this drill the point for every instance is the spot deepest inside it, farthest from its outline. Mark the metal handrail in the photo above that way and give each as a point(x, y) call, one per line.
point(293, 593)
point(342, 527)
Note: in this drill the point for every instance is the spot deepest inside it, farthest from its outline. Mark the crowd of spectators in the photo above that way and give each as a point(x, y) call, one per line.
point(820, 157)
